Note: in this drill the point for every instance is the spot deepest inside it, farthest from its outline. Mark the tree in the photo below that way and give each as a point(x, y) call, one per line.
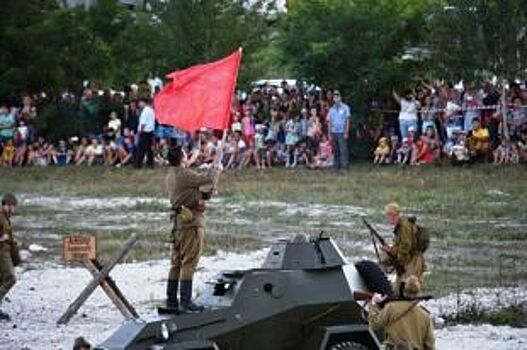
point(354, 45)
point(473, 37)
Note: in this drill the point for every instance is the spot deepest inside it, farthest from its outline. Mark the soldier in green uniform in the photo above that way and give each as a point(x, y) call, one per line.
point(187, 199)
point(8, 250)
point(404, 255)
point(406, 324)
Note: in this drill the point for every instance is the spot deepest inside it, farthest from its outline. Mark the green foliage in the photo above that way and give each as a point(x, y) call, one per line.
point(47, 47)
point(353, 45)
point(473, 38)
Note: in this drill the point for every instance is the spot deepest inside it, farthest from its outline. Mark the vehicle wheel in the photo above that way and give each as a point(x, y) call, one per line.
point(348, 345)
point(373, 277)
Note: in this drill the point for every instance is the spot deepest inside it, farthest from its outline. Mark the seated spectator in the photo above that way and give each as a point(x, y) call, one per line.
point(324, 158)
point(161, 152)
point(394, 146)
point(109, 150)
point(522, 147)
point(421, 153)
point(229, 151)
point(382, 152)
point(434, 143)
point(404, 152)
point(8, 153)
point(479, 141)
point(125, 152)
point(302, 154)
point(62, 155)
point(506, 153)
point(80, 150)
point(459, 154)
point(94, 153)
point(41, 153)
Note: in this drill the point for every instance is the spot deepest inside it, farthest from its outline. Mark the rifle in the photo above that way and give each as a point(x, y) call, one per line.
point(360, 296)
point(400, 269)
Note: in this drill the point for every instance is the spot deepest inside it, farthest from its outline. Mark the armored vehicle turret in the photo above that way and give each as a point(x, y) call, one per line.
point(300, 299)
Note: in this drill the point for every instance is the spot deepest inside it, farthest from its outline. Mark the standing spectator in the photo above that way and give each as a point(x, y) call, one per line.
point(7, 124)
point(339, 124)
point(145, 130)
point(115, 123)
point(291, 139)
point(408, 114)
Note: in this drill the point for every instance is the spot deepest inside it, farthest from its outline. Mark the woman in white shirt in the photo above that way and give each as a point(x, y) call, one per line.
point(408, 113)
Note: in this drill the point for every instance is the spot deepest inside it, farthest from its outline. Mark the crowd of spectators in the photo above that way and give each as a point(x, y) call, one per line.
point(284, 125)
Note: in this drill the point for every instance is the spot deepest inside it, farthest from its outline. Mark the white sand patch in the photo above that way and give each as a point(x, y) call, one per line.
point(42, 294)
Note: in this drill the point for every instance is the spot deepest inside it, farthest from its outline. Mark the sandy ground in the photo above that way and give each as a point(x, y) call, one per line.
point(43, 292)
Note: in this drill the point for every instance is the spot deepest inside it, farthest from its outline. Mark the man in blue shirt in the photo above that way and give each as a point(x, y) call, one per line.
point(339, 124)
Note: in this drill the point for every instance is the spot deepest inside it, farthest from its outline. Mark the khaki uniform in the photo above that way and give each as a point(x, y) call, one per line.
point(404, 322)
point(404, 252)
point(183, 186)
point(7, 271)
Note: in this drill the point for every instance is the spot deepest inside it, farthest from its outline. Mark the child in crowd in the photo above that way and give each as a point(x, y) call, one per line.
point(109, 150)
point(459, 152)
point(324, 157)
point(382, 152)
point(161, 152)
point(125, 152)
point(421, 154)
point(394, 146)
point(260, 147)
point(404, 152)
point(291, 139)
point(80, 152)
point(62, 154)
point(8, 153)
point(506, 153)
point(21, 148)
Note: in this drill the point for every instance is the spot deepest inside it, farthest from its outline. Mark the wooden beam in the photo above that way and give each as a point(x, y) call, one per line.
point(88, 290)
point(112, 291)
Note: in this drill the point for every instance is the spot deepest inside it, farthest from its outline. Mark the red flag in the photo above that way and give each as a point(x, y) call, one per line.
point(199, 96)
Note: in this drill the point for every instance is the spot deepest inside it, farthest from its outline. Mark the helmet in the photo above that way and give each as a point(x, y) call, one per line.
point(9, 199)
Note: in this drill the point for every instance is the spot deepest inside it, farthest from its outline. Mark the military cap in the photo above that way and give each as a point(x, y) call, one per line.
point(392, 208)
point(10, 199)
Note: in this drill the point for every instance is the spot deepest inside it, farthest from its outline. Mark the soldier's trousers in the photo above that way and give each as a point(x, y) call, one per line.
point(7, 271)
point(186, 251)
point(416, 267)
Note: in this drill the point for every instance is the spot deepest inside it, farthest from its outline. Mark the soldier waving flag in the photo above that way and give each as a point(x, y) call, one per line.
point(198, 97)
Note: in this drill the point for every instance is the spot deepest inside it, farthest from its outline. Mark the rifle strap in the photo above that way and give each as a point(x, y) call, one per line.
point(398, 318)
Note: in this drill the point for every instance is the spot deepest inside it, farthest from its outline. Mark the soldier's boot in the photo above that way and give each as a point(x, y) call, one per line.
point(187, 305)
point(172, 304)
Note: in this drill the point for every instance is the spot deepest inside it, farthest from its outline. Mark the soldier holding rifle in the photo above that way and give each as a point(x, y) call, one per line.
point(406, 255)
point(406, 324)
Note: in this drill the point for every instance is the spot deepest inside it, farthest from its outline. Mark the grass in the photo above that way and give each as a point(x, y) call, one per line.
point(476, 215)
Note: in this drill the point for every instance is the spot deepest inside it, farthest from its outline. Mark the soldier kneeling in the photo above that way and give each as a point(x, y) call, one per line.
point(406, 324)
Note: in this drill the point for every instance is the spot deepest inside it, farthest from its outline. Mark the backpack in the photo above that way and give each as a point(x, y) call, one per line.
point(422, 236)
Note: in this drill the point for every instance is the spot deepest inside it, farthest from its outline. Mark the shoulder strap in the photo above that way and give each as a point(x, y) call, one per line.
point(404, 313)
